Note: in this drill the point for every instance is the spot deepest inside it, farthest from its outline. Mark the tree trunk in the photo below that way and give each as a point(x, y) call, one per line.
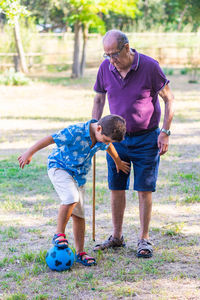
point(76, 64)
point(19, 47)
point(83, 59)
point(181, 17)
point(1, 22)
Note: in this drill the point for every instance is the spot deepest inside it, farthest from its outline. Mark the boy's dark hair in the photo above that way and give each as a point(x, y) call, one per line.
point(113, 126)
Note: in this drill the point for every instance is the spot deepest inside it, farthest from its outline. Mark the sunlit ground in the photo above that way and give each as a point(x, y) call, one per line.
point(28, 203)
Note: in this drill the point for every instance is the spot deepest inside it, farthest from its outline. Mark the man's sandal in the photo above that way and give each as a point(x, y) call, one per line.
point(60, 243)
point(144, 245)
point(110, 243)
point(84, 261)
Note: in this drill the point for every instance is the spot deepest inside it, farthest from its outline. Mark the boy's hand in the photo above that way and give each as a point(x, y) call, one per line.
point(24, 159)
point(123, 166)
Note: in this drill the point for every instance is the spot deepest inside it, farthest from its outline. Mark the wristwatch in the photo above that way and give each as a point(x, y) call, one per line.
point(168, 132)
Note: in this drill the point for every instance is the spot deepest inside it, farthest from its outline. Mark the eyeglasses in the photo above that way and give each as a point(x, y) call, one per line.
point(113, 55)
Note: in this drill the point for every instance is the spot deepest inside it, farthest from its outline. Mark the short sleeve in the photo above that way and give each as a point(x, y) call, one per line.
point(104, 146)
point(159, 78)
point(63, 137)
point(99, 84)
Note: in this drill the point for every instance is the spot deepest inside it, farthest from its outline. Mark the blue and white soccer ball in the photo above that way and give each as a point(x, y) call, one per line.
point(59, 259)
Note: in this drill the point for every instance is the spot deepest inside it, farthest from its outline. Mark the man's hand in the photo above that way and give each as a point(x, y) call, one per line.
point(24, 159)
point(163, 142)
point(123, 166)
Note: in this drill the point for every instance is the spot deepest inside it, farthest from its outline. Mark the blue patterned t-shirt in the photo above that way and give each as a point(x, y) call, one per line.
point(73, 152)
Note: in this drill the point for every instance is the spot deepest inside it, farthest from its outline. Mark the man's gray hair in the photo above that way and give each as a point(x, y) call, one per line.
point(119, 36)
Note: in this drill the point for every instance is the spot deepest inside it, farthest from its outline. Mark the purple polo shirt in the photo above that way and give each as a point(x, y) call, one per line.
point(135, 97)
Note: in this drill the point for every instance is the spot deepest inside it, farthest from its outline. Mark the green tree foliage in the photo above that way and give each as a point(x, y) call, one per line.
point(168, 15)
point(83, 14)
point(115, 20)
point(46, 13)
point(151, 15)
point(12, 9)
point(179, 13)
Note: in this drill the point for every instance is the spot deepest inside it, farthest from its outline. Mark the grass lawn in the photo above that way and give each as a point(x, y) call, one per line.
point(28, 203)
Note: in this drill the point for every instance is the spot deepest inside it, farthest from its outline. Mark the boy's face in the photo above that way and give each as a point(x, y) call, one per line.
point(102, 137)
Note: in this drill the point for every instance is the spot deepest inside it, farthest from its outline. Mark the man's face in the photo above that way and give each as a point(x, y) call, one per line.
point(118, 57)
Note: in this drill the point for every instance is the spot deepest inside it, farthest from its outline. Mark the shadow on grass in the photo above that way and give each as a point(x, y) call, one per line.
point(65, 81)
point(120, 264)
point(180, 118)
point(50, 119)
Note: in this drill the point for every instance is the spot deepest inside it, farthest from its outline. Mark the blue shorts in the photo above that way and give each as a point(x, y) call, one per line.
point(142, 151)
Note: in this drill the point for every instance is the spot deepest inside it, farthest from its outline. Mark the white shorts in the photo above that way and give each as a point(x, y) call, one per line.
point(68, 190)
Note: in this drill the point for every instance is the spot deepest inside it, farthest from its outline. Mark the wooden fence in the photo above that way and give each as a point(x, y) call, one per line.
point(170, 49)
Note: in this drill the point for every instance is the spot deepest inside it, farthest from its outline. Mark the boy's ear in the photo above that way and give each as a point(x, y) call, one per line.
point(99, 128)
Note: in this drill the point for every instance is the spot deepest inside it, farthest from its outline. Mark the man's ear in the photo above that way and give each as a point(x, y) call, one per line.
point(127, 47)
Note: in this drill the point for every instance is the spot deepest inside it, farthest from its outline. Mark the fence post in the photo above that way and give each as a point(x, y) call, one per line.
point(16, 63)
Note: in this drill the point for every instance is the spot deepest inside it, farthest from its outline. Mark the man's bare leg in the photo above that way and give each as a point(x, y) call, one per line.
point(145, 207)
point(118, 204)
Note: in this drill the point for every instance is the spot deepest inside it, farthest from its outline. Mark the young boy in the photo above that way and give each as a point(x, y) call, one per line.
point(68, 165)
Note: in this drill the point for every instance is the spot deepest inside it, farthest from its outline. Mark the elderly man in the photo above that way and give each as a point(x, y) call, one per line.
point(132, 82)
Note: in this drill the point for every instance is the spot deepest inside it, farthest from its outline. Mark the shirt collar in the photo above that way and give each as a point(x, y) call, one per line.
point(134, 65)
point(87, 127)
point(136, 60)
point(87, 133)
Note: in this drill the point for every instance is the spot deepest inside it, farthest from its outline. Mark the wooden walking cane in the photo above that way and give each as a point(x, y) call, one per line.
point(93, 197)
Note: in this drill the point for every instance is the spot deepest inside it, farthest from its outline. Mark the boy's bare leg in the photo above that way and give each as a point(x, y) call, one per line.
point(79, 234)
point(64, 214)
